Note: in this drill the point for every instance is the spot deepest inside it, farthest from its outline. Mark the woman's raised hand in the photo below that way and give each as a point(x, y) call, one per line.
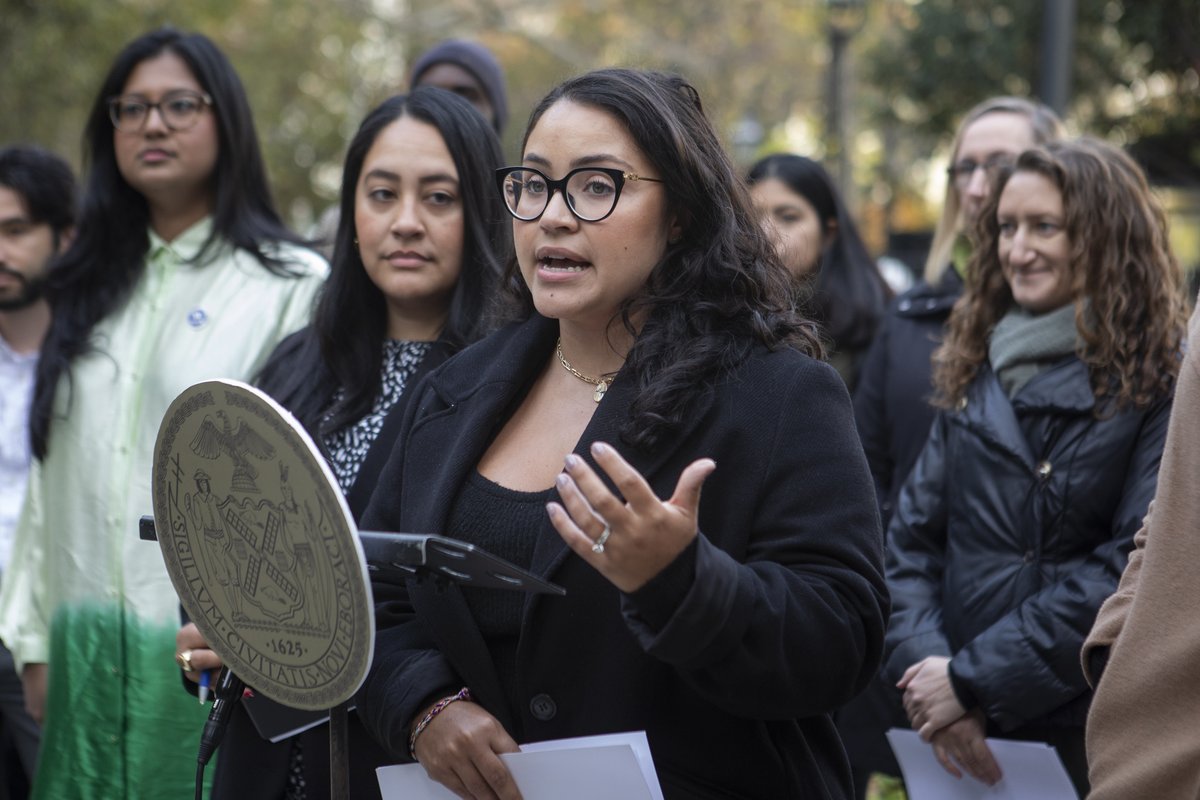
point(628, 541)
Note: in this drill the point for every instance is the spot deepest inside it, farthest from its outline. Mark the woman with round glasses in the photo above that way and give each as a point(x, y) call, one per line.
point(656, 354)
point(181, 270)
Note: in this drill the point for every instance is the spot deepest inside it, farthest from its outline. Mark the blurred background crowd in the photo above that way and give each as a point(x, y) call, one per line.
point(871, 88)
point(842, 111)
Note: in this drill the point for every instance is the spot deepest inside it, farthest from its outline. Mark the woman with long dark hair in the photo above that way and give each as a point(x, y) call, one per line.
point(181, 270)
point(329, 376)
point(819, 244)
point(1055, 383)
point(416, 262)
point(656, 351)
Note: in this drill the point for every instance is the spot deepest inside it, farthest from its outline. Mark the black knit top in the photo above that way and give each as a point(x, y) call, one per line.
point(505, 523)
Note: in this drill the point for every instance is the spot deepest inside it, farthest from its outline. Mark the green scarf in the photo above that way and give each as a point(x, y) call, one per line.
point(1024, 344)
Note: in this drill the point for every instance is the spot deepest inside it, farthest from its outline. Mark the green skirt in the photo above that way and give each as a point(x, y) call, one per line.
point(119, 723)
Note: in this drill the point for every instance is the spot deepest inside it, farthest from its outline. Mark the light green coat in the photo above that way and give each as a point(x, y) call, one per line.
point(83, 592)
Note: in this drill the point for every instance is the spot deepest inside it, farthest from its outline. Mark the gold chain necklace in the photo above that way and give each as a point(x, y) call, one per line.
point(601, 384)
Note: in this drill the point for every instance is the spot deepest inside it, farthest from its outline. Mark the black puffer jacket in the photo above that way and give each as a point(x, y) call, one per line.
point(891, 399)
point(1012, 529)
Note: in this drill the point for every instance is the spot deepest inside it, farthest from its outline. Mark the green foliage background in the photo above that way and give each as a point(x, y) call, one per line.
point(313, 69)
point(1135, 71)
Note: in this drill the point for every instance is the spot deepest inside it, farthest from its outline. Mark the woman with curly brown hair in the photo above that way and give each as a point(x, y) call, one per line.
point(1055, 383)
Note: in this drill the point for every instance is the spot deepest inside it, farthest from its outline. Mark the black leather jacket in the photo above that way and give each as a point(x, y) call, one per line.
point(891, 398)
point(1012, 529)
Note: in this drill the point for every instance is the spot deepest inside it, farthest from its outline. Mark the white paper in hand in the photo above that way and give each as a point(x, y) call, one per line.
point(614, 767)
point(1031, 770)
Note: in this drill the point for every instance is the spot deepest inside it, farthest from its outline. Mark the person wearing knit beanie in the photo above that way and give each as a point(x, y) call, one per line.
point(468, 69)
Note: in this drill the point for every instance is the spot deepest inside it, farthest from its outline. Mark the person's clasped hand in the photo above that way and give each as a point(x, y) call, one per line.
point(963, 743)
point(632, 540)
point(958, 736)
point(929, 698)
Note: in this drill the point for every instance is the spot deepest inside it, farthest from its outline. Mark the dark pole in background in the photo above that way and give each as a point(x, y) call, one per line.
point(843, 19)
point(835, 128)
point(1058, 47)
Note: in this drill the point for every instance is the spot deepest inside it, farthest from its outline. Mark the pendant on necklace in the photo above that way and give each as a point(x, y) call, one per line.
point(601, 388)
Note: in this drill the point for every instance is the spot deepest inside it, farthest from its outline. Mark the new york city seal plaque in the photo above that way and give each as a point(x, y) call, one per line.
point(260, 546)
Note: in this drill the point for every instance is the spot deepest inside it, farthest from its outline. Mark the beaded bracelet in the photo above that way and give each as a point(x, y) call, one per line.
point(438, 707)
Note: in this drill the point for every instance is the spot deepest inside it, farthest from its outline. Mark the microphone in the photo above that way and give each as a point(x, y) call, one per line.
point(228, 693)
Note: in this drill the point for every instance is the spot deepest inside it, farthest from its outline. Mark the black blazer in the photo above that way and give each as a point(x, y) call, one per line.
point(253, 768)
point(732, 659)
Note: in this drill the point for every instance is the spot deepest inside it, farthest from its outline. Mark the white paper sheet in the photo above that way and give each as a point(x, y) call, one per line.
point(613, 767)
point(1031, 770)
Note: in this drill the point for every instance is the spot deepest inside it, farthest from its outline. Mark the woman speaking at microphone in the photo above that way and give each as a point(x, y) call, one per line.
point(656, 355)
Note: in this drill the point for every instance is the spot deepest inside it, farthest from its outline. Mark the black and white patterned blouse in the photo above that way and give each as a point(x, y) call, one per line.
point(347, 450)
point(348, 447)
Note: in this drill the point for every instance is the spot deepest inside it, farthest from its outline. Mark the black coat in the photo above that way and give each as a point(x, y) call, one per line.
point(1011, 531)
point(781, 612)
point(251, 767)
point(891, 400)
point(893, 415)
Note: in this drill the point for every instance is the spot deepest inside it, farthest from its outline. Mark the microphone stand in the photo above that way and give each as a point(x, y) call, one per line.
point(339, 752)
point(391, 558)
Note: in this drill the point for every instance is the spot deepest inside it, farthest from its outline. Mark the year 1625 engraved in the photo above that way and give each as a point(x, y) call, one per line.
point(287, 647)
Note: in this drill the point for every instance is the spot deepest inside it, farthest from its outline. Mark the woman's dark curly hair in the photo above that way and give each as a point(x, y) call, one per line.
point(719, 289)
point(1130, 309)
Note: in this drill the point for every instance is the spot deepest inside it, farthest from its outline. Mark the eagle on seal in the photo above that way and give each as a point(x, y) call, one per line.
point(210, 442)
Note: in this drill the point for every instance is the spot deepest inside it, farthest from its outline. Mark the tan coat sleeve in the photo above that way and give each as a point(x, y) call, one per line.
point(1111, 618)
point(1143, 733)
